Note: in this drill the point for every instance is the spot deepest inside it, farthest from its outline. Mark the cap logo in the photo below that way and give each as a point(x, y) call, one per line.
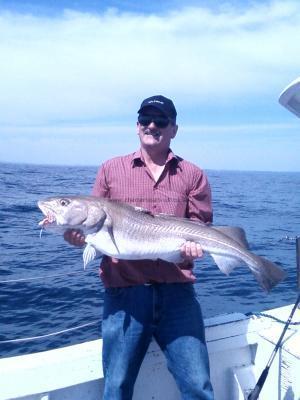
point(155, 101)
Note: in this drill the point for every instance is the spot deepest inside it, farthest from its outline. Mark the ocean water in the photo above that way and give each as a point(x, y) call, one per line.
point(44, 289)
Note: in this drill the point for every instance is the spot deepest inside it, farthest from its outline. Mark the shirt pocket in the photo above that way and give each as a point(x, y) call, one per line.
point(173, 203)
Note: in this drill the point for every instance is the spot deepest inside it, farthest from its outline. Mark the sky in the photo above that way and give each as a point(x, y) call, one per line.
point(73, 75)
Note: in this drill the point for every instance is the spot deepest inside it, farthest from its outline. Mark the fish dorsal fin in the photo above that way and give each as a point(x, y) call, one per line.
point(143, 211)
point(140, 209)
point(226, 264)
point(90, 254)
point(235, 233)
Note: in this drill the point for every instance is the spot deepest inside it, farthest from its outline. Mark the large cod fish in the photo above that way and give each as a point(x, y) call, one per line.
point(122, 231)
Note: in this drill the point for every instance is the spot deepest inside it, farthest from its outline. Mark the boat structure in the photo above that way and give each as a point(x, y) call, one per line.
point(251, 356)
point(239, 348)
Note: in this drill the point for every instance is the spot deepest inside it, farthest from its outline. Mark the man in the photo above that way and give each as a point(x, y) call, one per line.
point(154, 298)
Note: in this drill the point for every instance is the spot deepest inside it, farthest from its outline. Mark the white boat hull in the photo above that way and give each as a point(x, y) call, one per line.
point(239, 349)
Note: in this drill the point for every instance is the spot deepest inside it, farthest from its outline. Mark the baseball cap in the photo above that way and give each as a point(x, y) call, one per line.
point(162, 103)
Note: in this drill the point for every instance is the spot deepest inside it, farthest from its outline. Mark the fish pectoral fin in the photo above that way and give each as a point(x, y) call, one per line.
point(90, 254)
point(110, 231)
point(234, 232)
point(226, 264)
point(109, 224)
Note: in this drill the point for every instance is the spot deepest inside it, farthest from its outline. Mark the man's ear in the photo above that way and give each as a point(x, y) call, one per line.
point(175, 129)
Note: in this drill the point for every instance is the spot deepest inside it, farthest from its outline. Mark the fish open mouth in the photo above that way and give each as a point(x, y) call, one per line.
point(48, 214)
point(49, 219)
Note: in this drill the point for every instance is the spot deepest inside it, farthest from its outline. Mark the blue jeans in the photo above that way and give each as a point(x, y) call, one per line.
point(170, 313)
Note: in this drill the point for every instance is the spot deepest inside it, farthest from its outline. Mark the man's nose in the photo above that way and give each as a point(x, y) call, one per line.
point(152, 125)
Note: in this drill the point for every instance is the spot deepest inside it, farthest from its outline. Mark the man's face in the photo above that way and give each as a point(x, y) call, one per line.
point(152, 130)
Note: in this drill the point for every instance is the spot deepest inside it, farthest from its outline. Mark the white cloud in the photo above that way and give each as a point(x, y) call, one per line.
point(71, 84)
point(80, 67)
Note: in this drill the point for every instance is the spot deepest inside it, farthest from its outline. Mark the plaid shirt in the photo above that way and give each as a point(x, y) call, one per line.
point(181, 190)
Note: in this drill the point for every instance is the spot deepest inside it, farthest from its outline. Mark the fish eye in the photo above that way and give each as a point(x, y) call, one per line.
point(64, 202)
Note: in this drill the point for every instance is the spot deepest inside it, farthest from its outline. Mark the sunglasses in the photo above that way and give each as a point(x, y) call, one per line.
point(160, 121)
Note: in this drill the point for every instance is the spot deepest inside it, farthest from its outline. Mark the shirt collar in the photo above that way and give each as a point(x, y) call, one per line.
point(138, 159)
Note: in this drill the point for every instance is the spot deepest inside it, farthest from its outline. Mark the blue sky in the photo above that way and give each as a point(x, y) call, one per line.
point(73, 74)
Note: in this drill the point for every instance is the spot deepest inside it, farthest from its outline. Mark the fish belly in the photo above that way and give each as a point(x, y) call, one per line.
point(131, 248)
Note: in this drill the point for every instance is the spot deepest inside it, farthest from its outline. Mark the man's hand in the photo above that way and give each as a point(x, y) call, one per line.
point(75, 237)
point(190, 251)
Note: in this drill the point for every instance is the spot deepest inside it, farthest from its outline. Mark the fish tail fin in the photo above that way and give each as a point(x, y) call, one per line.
point(267, 274)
